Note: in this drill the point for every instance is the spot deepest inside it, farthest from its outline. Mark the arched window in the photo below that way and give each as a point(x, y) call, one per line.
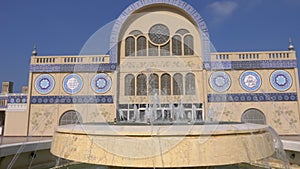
point(188, 45)
point(130, 46)
point(182, 32)
point(141, 85)
point(135, 33)
point(177, 84)
point(129, 85)
point(70, 117)
point(190, 84)
point(165, 84)
point(254, 116)
point(165, 50)
point(141, 46)
point(153, 84)
point(176, 45)
point(152, 50)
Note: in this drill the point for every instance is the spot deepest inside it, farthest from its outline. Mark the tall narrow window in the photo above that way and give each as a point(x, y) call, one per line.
point(141, 46)
point(165, 50)
point(165, 84)
point(153, 84)
point(177, 84)
point(141, 85)
point(153, 50)
point(129, 85)
point(130, 46)
point(188, 45)
point(190, 84)
point(176, 45)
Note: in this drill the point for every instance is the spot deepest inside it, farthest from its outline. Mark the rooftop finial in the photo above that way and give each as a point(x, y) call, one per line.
point(291, 46)
point(34, 52)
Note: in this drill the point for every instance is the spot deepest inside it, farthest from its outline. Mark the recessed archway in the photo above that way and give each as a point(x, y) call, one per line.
point(70, 117)
point(253, 116)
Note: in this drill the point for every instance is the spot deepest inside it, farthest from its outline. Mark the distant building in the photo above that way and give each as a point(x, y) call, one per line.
point(160, 60)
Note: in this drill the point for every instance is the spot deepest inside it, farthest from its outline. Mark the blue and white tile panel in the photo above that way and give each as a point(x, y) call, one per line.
point(257, 64)
point(70, 68)
point(253, 97)
point(17, 99)
point(89, 99)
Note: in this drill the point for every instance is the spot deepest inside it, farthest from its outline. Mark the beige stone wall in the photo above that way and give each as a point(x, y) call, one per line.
point(16, 123)
point(282, 116)
point(45, 118)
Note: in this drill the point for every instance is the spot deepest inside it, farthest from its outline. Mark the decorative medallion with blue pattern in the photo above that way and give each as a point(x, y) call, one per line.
point(44, 84)
point(281, 80)
point(250, 81)
point(72, 83)
point(219, 81)
point(101, 83)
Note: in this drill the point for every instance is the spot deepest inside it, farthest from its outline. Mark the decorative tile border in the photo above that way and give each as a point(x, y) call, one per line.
point(253, 97)
point(257, 64)
point(69, 68)
point(16, 107)
point(90, 99)
point(16, 99)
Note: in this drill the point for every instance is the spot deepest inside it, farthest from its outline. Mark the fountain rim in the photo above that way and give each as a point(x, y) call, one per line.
point(146, 130)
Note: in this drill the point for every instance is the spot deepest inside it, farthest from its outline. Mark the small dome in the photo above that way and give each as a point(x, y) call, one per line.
point(34, 52)
point(291, 46)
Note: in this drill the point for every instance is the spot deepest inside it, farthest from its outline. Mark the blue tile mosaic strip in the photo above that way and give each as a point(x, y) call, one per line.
point(253, 97)
point(3, 97)
point(39, 68)
point(257, 64)
point(17, 99)
point(90, 99)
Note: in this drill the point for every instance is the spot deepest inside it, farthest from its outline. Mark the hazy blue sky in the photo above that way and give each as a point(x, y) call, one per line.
point(61, 27)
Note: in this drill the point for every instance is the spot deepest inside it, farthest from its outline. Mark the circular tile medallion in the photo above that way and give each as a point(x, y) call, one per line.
point(72, 83)
point(281, 80)
point(219, 81)
point(101, 83)
point(44, 83)
point(250, 81)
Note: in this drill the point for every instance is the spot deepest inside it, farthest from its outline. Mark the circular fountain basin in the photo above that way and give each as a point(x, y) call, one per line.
point(163, 146)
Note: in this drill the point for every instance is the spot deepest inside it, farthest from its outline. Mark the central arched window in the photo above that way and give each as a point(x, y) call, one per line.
point(177, 84)
point(190, 84)
point(159, 42)
point(70, 117)
point(165, 84)
point(153, 84)
point(141, 85)
point(141, 46)
point(129, 85)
